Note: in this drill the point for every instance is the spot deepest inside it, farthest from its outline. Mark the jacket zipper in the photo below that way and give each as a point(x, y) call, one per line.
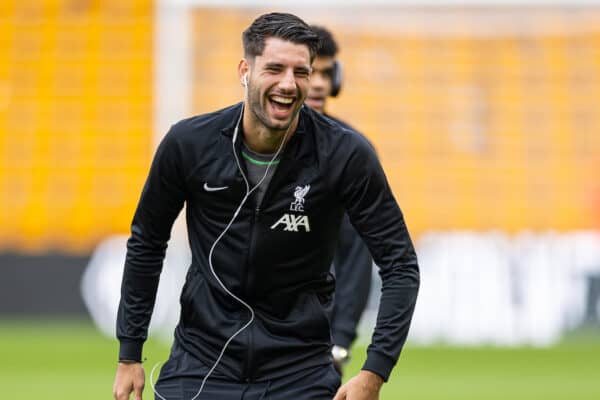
point(250, 347)
point(250, 344)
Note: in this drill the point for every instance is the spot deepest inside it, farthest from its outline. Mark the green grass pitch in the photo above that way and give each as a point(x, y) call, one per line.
point(69, 360)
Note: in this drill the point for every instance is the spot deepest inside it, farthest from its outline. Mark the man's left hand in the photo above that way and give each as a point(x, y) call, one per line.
point(364, 386)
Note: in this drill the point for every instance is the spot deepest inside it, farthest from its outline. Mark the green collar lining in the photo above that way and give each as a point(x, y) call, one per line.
point(258, 162)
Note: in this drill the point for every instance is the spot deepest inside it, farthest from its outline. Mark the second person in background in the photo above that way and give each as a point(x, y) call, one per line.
point(352, 263)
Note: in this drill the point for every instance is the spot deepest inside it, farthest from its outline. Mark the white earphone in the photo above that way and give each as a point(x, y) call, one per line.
point(245, 80)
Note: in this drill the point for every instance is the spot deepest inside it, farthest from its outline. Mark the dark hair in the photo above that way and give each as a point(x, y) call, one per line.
point(329, 47)
point(280, 25)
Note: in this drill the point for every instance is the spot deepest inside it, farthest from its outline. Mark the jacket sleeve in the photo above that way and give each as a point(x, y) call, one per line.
point(352, 264)
point(374, 212)
point(161, 201)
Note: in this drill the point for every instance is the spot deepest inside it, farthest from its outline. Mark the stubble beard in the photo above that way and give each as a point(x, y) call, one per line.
point(260, 113)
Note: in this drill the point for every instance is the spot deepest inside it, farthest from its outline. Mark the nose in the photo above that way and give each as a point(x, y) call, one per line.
point(288, 81)
point(317, 80)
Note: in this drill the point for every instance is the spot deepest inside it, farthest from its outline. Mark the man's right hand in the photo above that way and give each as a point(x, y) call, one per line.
point(130, 378)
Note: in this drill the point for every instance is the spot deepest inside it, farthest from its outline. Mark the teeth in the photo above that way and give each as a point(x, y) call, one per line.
point(283, 100)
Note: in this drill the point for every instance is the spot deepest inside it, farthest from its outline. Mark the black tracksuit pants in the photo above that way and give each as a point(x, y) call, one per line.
point(181, 376)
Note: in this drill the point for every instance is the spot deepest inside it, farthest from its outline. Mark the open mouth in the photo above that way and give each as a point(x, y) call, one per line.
point(281, 104)
point(315, 101)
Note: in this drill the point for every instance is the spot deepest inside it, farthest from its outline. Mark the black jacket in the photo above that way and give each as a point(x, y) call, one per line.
point(276, 255)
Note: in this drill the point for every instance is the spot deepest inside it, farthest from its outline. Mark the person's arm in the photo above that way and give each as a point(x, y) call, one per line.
point(161, 201)
point(353, 264)
point(375, 214)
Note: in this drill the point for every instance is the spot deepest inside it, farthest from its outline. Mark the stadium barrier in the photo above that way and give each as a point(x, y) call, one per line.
point(477, 288)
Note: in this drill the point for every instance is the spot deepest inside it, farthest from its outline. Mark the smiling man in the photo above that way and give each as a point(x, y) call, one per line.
point(266, 183)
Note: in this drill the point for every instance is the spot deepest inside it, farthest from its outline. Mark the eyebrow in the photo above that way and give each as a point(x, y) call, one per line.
point(325, 70)
point(274, 65)
point(282, 66)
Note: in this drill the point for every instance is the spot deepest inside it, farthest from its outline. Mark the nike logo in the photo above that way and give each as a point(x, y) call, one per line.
point(213, 189)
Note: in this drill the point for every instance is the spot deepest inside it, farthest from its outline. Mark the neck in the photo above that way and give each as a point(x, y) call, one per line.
point(261, 139)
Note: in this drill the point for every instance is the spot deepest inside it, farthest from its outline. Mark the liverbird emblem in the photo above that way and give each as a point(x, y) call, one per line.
point(299, 194)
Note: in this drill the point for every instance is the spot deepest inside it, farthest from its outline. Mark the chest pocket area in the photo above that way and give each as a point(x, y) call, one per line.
point(217, 197)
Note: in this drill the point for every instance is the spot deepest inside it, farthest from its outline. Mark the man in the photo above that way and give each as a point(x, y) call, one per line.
point(265, 183)
point(352, 261)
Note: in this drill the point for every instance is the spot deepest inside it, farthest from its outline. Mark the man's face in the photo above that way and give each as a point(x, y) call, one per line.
point(320, 83)
point(278, 83)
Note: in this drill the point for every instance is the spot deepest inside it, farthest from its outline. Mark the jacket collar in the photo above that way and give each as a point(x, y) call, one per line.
point(235, 111)
point(299, 148)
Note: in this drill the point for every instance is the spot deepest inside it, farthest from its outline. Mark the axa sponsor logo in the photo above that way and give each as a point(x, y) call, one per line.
point(292, 223)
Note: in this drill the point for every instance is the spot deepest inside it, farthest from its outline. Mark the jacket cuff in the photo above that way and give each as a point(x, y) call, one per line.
point(379, 364)
point(342, 339)
point(131, 350)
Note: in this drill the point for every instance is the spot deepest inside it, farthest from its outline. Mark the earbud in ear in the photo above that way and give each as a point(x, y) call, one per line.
point(245, 79)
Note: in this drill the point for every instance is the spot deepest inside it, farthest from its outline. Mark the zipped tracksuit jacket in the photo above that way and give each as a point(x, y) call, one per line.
point(276, 255)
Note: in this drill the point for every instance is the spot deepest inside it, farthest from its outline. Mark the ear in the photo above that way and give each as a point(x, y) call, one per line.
point(243, 70)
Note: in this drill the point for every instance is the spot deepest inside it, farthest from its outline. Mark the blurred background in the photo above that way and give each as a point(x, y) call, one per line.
point(486, 118)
